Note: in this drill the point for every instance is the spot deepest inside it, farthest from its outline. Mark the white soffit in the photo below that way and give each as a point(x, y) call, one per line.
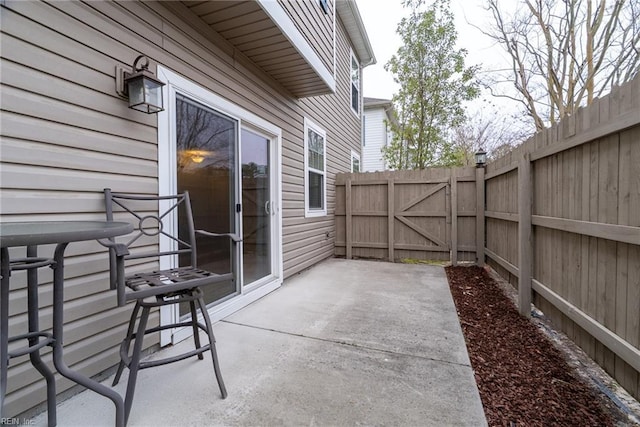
point(350, 15)
point(265, 34)
point(291, 32)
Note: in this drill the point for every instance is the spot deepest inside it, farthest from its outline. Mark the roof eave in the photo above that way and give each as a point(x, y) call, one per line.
point(350, 15)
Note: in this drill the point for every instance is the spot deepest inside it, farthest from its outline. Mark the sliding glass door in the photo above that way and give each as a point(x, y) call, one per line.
point(228, 159)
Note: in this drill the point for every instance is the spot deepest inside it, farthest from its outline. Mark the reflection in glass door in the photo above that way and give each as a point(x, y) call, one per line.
point(206, 142)
point(257, 207)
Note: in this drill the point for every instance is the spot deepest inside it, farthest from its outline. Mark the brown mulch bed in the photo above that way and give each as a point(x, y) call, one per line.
point(522, 378)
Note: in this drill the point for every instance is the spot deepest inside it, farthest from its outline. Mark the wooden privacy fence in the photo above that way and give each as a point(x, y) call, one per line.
point(558, 217)
point(428, 214)
point(563, 220)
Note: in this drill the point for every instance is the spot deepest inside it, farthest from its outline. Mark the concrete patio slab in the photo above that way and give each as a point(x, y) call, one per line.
point(394, 307)
point(344, 343)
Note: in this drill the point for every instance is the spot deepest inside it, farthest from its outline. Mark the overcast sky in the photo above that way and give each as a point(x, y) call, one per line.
point(381, 18)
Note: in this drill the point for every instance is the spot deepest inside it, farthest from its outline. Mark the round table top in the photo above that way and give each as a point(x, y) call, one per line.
point(47, 232)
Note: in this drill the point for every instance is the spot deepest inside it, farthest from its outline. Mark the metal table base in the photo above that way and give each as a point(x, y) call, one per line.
point(31, 235)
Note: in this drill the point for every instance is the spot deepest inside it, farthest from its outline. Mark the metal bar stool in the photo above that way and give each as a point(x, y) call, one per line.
point(160, 288)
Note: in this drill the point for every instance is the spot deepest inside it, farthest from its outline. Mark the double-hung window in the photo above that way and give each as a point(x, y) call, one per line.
point(355, 85)
point(355, 161)
point(315, 165)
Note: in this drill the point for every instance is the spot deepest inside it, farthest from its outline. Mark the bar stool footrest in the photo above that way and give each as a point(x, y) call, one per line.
point(167, 360)
point(126, 359)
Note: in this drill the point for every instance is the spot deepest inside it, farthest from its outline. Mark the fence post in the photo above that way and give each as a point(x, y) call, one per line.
point(391, 217)
point(348, 224)
point(525, 195)
point(480, 217)
point(454, 218)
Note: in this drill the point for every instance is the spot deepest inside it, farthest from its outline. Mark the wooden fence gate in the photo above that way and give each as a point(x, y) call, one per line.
point(425, 215)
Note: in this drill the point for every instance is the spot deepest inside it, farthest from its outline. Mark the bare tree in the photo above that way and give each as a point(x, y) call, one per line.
point(488, 130)
point(564, 53)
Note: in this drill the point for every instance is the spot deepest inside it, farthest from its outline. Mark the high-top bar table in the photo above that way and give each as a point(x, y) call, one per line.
point(31, 235)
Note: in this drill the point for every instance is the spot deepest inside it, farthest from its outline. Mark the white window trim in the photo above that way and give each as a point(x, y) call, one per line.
point(352, 58)
point(356, 156)
point(308, 213)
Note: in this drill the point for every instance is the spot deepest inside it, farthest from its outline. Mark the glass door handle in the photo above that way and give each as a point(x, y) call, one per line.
point(266, 207)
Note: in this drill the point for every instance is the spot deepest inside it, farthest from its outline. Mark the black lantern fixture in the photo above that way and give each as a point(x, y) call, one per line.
point(481, 158)
point(141, 86)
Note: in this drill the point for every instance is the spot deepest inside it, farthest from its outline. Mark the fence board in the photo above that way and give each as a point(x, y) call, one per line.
point(572, 262)
point(349, 219)
point(505, 216)
point(454, 220)
point(525, 251)
point(586, 342)
point(480, 208)
point(390, 218)
point(623, 348)
point(625, 121)
point(617, 233)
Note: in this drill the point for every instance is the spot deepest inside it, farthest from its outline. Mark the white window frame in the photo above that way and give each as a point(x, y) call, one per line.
point(355, 156)
point(353, 58)
point(309, 125)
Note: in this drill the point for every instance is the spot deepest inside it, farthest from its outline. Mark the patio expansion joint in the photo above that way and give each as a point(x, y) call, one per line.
point(350, 344)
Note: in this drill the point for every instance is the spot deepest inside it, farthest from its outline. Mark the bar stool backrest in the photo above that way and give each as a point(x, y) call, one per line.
point(149, 215)
point(153, 218)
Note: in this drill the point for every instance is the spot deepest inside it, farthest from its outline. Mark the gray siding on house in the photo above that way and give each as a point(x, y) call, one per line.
point(314, 25)
point(66, 135)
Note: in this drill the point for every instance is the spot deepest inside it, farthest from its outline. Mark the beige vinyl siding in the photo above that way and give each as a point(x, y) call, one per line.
point(317, 27)
point(66, 135)
point(332, 113)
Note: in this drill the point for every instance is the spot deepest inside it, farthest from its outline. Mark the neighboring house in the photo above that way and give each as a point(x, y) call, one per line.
point(275, 89)
point(378, 113)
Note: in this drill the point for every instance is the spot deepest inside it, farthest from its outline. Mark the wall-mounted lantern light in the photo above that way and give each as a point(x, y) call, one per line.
point(481, 158)
point(141, 86)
